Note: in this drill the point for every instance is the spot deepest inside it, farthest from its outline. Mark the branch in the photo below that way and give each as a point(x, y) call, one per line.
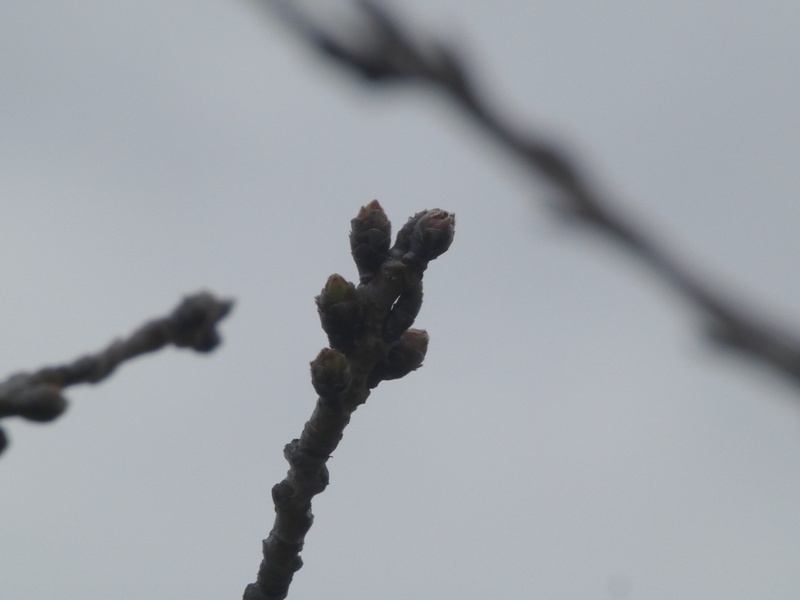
point(384, 51)
point(370, 341)
point(37, 396)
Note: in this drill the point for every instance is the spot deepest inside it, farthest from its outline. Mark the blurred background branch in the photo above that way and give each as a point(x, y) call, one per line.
point(37, 396)
point(383, 50)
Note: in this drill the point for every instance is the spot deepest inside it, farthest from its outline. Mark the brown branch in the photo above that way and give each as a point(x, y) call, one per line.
point(384, 51)
point(363, 352)
point(37, 396)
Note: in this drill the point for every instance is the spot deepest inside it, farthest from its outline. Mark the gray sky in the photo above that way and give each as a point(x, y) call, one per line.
point(570, 436)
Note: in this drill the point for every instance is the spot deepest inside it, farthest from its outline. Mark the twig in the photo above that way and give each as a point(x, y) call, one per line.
point(384, 51)
point(37, 396)
point(370, 341)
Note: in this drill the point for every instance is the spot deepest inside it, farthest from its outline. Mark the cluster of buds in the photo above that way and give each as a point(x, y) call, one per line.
point(368, 326)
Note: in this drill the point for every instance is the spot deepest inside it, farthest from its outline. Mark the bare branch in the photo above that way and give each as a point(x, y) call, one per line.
point(363, 352)
point(383, 50)
point(37, 396)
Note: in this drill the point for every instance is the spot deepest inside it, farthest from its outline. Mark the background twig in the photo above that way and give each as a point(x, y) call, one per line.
point(384, 50)
point(37, 396)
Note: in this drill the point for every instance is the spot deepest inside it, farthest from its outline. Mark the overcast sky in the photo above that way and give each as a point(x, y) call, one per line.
point(571, 435)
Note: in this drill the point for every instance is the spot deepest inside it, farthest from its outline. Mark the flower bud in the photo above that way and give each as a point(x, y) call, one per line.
point(329, 374)
point(415, 344)
point(405, 355)
point(369, 239)
point(427, 235)
point(433, 234)
point(337, 289)
point(340, 312)
point(372, 216)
